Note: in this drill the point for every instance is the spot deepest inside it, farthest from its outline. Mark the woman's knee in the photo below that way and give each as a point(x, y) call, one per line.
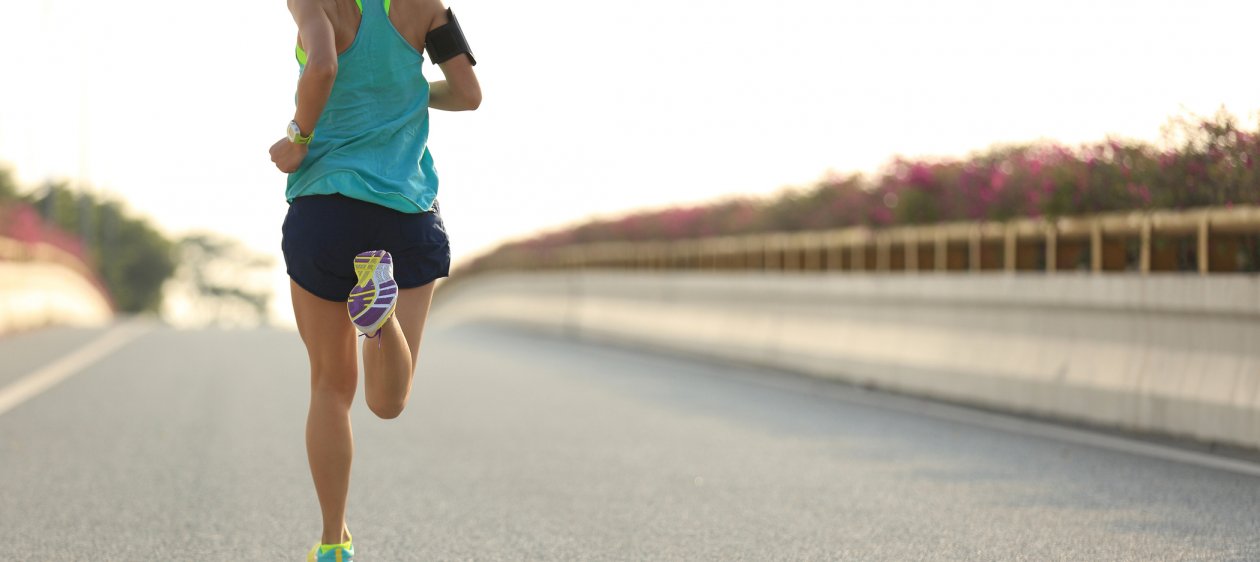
point(334, 381)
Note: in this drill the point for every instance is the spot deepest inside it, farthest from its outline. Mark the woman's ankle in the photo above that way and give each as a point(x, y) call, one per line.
point(335, 538)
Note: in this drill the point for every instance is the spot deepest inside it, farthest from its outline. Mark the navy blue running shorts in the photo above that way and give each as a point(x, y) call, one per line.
point(323, 233)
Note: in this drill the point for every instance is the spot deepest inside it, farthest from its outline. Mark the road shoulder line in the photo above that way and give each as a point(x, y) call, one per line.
point(33, 384)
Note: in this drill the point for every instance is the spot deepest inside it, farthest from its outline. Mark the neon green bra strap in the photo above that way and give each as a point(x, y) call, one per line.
point(301, 54)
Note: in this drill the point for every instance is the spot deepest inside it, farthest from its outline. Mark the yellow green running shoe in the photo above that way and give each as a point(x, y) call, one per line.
point(343, 552)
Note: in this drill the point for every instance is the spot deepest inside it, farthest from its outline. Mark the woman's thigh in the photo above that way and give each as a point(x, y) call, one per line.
point(329, 337)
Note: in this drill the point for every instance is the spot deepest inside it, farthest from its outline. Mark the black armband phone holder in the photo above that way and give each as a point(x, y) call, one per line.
point(447, 41)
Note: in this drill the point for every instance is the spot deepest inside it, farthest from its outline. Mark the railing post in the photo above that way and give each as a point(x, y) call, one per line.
point(882, 251)
point(910, 245)
point(1204, 233)
point(1052, 248)
point(1095, 246)
point(771, 256)
point(813, 252)
point(1144, 259)
point(973, 248)
point(750, 252)
point(1009, 245)
point(792, 247)
point(859, 253)
point(942, 250)
point(834, 247)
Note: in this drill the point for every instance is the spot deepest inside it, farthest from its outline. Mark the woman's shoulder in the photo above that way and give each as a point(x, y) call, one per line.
point(329, 7)
point(325, 5)
point(414, 18)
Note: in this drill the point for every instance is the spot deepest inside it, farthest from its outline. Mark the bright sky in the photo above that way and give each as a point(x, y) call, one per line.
point(592, 108)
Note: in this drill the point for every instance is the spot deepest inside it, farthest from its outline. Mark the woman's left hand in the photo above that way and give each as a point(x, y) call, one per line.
point(288, 155)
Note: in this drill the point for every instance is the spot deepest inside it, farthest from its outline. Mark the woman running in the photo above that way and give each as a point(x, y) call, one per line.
point(363, 239)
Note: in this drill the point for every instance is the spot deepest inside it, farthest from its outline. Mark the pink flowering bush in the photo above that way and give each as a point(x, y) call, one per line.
point(22, 223)
point(1202, 162)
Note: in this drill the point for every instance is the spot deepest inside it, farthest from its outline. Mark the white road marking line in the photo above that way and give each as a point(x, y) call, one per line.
point(35, 383)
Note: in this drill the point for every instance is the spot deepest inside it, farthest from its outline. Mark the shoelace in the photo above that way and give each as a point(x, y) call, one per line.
point(376, 337)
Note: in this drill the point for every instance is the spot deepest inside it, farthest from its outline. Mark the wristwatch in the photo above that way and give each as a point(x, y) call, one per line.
point(295, 134)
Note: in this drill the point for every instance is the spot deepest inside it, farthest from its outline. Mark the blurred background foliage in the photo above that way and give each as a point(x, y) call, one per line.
point(133, 259)
point(219, 281)
point(1199, 162)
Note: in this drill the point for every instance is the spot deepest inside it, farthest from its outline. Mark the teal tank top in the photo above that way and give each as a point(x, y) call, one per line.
point(371, 143)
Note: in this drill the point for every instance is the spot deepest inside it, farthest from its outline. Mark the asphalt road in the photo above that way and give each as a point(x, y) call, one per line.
point(188, 445)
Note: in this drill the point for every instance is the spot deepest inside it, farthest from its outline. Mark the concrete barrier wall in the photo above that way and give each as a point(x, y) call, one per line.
point(42, 288)
point(1169, 354)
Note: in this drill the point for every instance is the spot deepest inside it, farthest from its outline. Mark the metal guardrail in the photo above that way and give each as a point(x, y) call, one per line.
point(1213, 240)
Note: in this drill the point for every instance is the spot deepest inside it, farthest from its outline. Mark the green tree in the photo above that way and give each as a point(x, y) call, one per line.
point(133, 258)
point(8, 186)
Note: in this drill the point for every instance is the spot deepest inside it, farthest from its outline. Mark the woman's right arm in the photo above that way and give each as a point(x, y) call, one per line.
point(460, 91)
point(315, 85)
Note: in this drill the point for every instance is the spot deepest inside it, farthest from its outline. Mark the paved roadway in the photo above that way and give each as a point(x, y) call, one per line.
point(187, 445)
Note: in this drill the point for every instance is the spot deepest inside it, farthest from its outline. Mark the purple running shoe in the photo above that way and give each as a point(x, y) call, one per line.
point(372, 300)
